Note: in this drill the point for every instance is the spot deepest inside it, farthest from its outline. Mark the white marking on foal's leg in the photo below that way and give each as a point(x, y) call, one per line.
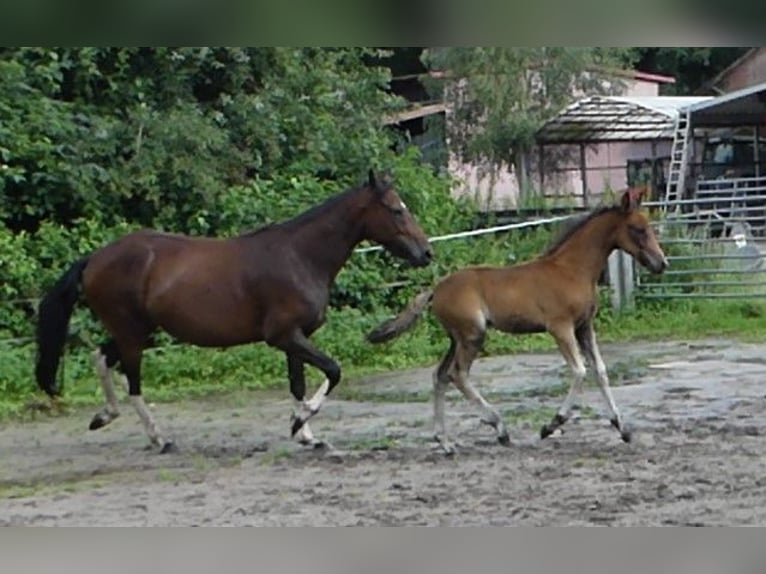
point(440, 429)
point(148, 420)
point(570, 350)
point(491, 415)
point(111, 409)
point(603, 382)
point(573, 395)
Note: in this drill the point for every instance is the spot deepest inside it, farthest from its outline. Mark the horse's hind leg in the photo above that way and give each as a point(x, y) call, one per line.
point(467, 351)
point(131, 363)
point(442, 378)
point(105, 359)
point(586, 337)
point(567, 343)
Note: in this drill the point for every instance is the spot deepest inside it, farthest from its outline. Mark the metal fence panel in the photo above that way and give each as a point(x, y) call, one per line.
point(715, 242)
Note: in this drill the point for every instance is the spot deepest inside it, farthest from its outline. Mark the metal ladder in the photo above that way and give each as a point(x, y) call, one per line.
point(678, 156)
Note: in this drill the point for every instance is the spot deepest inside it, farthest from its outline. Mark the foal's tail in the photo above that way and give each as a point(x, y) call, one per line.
point(52, 324)
point(395, 326)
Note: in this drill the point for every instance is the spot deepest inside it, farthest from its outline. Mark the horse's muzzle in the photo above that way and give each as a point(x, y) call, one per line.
point(423, 258)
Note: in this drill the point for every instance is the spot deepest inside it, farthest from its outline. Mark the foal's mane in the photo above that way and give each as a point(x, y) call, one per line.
point(573, 225)
point(312, 213)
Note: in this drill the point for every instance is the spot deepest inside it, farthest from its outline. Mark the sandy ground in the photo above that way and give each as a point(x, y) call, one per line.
point(698, 455)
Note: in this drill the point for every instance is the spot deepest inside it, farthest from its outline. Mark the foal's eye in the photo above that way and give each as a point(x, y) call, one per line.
point(637, 231)
point(397, 211)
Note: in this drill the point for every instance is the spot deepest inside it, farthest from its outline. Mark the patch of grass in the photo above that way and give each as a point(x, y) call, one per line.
point(276, 455)
point(373, 443)
point(168, 475)
point(529, 417)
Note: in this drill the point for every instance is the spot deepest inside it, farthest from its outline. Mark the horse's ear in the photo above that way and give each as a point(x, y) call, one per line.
point(371, 179)
point(631, 199)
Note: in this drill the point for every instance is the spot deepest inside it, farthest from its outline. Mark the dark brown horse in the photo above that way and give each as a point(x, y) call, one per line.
point(270, 285)
point(556, 292)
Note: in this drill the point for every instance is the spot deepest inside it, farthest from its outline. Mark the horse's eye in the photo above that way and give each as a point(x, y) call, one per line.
point(637, 231)
point(397, 211)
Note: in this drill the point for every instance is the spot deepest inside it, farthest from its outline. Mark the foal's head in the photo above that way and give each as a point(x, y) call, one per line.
point(388, 221)
point(635, 235)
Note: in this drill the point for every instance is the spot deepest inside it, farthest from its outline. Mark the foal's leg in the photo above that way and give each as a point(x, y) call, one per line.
point(467, 350)
point(442, 378)
point(567, 344)
point(297, 345)
point(586, 337)
point(296, 373)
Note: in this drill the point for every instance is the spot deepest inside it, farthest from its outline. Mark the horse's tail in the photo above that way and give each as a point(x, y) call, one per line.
point(404, 321)
point(52, 324)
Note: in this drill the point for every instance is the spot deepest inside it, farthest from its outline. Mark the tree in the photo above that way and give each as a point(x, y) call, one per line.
point(691, 67)
point(500, 97)
point(158, 135)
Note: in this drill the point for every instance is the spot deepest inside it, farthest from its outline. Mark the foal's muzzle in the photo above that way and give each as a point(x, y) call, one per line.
point(654, 262)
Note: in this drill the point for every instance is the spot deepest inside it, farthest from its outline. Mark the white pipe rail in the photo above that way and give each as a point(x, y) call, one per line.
point(484, 231)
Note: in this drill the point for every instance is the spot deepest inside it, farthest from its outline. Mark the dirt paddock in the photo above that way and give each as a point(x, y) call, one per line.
point(698, 456)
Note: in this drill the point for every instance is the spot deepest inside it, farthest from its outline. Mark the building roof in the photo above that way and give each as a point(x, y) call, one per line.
point(716, 82)
point(611, 118)
point(746, 107)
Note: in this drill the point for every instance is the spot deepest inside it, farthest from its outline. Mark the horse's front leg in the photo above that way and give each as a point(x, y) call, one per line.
point(299, 348)
point(296, 373)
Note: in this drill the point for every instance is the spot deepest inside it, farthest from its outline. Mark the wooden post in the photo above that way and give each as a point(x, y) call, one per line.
point(757, 150)
point(541, 170)
point(583, 175)
point(621, 280)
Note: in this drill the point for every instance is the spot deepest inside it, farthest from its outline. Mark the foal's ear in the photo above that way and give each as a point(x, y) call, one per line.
point(371, 179)
point(631, 199)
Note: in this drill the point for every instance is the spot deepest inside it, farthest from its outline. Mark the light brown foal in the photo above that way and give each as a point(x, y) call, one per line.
point(557, 293)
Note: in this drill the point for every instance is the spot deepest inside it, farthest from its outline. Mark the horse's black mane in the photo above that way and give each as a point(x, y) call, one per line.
point(310, 214)
point(573, 225)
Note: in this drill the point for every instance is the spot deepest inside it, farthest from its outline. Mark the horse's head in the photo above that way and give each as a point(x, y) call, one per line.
point(387, 221)
point(635, 234)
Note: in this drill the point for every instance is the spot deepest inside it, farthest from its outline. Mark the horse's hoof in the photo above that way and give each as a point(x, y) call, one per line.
point(169, 448)
point(97, 422)
point(545, 432)
point(296, 426)
point(626, 436)
point(504, 439)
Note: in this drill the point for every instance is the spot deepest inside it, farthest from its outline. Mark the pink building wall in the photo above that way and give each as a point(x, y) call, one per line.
point(606, 165)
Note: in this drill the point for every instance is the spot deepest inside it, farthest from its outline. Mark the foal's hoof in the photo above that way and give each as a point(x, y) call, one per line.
point(625, 433)
point(546, 431)
point(169, 448)
point(504, 439)
point(97, 422)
